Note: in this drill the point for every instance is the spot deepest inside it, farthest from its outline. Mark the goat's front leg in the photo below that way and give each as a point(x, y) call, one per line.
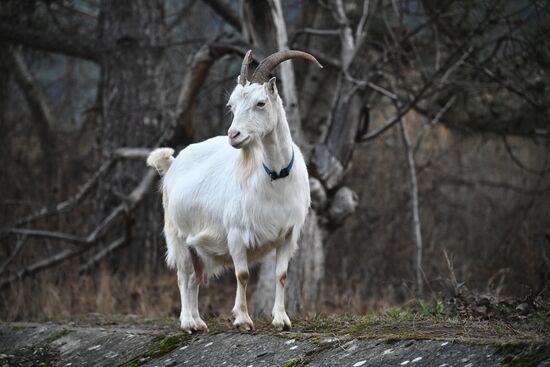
point(283, 254)
point(237, 250)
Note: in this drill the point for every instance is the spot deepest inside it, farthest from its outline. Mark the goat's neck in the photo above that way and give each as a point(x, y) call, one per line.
point(277, 145)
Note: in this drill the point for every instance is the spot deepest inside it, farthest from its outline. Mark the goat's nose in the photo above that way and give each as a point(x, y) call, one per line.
point(233, 134)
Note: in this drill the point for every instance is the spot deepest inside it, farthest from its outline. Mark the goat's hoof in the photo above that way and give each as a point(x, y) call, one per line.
point(281, 322)
point(244, 324)
point(200, 325)
point(190, 325)
point(244, 327)
point(188, 328)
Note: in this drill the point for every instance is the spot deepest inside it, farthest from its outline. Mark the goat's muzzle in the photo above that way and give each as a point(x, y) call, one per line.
point(236, 139)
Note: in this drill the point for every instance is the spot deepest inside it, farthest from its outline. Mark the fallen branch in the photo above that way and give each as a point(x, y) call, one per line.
point(127, 153)
point(193, 80)
point(69, 203)
point(41, 265)
point(91, 240)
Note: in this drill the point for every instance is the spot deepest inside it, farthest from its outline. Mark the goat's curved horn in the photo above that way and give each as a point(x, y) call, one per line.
point(261, 74)
point(244, 67)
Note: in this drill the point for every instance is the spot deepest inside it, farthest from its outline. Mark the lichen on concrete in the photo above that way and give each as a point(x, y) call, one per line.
point(372, 340)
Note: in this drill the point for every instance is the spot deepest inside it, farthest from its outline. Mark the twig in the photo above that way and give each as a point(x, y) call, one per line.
point(118, 243)
point(452, 274)
point(319, 32)
point(128, 153)
point(226, 13)
point(454, 180)
point(41, 265)
point(446, 71)
point(193, 80)
point(133, 199)
point(518, 162)
point(16, 251)
point(30, 232)
point(433, 122)
point(180, 15)
point(359, 31)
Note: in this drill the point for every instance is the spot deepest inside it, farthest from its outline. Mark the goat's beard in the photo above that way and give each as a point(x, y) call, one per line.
point(249, 161)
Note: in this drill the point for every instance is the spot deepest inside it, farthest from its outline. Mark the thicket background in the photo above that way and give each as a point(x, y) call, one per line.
point(427, 136)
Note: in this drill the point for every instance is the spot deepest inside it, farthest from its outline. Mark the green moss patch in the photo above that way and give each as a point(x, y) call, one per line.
point(161, 346)
point(520, 354)
point(58, 335)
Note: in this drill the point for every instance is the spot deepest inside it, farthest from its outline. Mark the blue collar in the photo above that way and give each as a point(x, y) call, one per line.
point(284, 172)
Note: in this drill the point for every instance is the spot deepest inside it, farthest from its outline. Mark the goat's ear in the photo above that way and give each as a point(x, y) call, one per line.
point(272, 85)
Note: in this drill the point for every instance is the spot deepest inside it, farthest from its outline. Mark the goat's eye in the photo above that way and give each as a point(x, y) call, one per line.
point(260, 104)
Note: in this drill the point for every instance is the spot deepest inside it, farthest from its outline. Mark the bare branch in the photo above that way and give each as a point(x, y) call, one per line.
point(316, 32)
point(134, 198)
point(180, 15)
point(225, 11)
point(452, 180)
point(41, 265)
point(193, 80)
point(346, 35)
point(518, 162)
point(116, 244)
point(132, 153)
point(37, 102)
point(80, 45)
point(359, 32)
point(434, 121)
point(128, 153)
point(18, 247)
point(30, 232)
point(445, 73)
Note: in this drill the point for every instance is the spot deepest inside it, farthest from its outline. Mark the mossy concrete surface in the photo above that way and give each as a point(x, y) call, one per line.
point(382, 340)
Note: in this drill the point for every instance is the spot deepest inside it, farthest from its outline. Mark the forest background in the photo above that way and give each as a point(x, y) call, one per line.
point(426, 135)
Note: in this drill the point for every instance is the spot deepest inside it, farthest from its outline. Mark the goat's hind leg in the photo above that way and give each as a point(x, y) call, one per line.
point(195, 281)
point(179, 257)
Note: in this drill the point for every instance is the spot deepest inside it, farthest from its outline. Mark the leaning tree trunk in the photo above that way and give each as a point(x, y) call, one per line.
point(330, 160)
point(264, 26)
point(132, 34)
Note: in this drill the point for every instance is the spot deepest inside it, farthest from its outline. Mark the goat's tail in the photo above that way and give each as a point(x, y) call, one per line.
point(161, 159)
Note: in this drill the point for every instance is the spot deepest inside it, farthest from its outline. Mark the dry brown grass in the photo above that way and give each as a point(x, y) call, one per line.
point(65, 293)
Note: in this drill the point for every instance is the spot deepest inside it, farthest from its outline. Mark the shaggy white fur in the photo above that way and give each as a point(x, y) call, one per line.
point(222, 209)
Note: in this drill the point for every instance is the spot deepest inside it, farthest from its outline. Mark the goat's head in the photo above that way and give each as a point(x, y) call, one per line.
point(255, 102)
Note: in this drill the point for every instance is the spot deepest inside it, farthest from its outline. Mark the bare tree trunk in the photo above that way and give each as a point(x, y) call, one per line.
point(261, 19)
point(133, 102)
point(38, 105)
point(415, 223)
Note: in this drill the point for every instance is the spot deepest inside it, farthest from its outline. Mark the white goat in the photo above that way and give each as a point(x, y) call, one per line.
point(226, 206)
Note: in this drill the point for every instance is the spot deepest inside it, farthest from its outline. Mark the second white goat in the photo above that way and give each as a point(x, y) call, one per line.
point(226, 206)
